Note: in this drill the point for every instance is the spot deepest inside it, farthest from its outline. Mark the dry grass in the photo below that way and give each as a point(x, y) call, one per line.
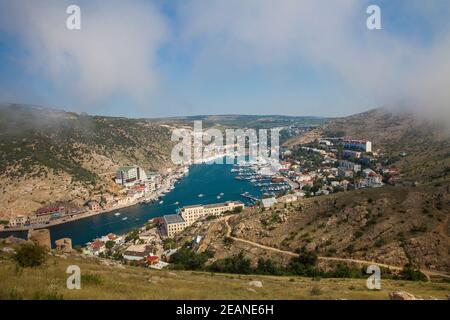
point(108, 282)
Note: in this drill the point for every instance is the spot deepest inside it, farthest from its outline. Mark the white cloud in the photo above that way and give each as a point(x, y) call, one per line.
point(113, 53)
point(387, 67)
point(116, 50)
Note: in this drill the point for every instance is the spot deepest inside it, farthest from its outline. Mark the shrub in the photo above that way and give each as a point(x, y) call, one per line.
point(412, 273)
point(315, 291)
point(185, 258)
point(237, 210)
point(305, 257)
point(358, 234)
point(235, 264)
point(109, 244)
point(169, 243)
point(267, 267)
point(30, 255)
point(228, 241)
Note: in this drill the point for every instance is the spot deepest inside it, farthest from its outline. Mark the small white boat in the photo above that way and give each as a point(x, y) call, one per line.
point(201, 195)
point(176, 203)
point(117, 214)
point(218, 197)
point(161, 202)
point(221, 194)
point(124, 218)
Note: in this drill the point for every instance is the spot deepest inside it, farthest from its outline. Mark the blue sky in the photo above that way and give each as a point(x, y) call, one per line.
point(170, 58)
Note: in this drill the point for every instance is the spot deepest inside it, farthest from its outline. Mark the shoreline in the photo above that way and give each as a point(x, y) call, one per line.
point(153, 196)
point(75, 218)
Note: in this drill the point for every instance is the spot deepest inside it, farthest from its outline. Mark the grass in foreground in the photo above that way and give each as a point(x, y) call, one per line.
point(100, 281)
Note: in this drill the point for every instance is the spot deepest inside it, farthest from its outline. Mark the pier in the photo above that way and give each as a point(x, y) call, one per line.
point(249, 196)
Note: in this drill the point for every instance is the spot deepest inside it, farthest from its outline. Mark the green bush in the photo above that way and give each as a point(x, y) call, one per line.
point(235, 264)
point(412, 273)
point(187, 259)
point(30, 255)
point(268, 267)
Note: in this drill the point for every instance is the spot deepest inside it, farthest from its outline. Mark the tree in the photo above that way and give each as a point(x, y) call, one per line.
point(267, 267)
point(30, 255)
point(237, 210)
point(307, 257)
point(235, 264)
point(412, 273)
point(109, 244)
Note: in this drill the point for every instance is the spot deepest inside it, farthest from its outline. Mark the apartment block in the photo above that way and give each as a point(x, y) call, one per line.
point(176, 223)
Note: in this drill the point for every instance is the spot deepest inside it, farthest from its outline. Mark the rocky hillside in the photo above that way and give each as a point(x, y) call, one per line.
point(52, 155)
point(392, 225)
point(425, 143)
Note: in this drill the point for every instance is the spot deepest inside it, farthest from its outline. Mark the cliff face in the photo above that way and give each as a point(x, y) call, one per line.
point(51, 155)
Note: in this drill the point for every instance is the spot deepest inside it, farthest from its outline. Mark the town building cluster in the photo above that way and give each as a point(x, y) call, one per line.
point(137, 186)
point(336, 164)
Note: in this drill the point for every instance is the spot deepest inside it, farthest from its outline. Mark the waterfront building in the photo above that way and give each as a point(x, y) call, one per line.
point(192, 213)
point(268, 202)
point(129, 176)
point(39, 219)
point(176, 223)
point(19, 221)
point(93, 205)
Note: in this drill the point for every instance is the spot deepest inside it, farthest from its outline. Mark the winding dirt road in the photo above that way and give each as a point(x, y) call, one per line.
point(428, 273)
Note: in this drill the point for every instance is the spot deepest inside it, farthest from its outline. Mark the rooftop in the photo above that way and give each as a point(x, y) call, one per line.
point(173, 218)
point(126, 168)
point(214, 205)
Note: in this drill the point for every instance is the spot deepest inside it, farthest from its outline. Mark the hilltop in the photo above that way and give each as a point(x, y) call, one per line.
point(51, 155)
point(426, 144)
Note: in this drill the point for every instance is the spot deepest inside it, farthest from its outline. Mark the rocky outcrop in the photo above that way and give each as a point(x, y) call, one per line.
point(402, 295)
